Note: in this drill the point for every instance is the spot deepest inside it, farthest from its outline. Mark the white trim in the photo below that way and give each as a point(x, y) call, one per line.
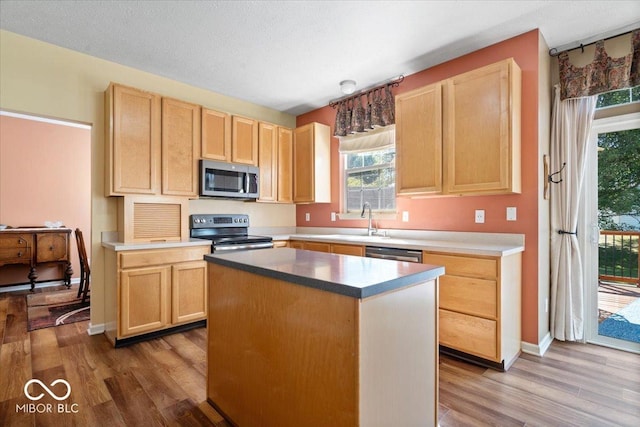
point(45, 120)
point(27, 286)
point(588, 232)
point(540, 349)
point(96, 329)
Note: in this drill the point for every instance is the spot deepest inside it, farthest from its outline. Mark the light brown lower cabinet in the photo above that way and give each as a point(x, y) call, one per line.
point(154, 290)
point(334, 248)
point(479, 306)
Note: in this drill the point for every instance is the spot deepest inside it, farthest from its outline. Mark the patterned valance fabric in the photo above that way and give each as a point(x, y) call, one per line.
point(604, 74)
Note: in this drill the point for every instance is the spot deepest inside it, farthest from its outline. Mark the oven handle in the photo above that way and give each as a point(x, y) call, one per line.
point(264, 245)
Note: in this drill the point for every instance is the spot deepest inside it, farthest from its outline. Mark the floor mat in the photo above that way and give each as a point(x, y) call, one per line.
point(48, 309)
point(625, 324)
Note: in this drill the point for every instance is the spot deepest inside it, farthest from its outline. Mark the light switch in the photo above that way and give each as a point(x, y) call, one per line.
point(307, 216)
point(479, 216)
point(333, 216)
point(511, 214)
point(405, 216)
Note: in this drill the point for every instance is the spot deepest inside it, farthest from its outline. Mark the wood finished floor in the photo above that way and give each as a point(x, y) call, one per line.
point(162, 382)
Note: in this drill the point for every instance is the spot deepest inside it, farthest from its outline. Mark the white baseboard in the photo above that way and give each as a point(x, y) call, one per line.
point(27, 286)
point(540, 349)
point(95, 329)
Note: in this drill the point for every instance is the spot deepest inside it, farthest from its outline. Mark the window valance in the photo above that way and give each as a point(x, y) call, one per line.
point(604, 74)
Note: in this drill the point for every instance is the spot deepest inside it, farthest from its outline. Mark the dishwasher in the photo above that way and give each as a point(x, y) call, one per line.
point(394, 254)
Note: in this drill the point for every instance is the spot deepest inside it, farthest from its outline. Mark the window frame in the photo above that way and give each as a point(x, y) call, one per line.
point(346, 172)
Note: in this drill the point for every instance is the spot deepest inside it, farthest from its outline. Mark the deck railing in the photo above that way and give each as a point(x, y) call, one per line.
point(619, 257)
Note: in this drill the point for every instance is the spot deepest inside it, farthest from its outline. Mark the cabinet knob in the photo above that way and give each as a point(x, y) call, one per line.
point(50, 248)
point(19, 254)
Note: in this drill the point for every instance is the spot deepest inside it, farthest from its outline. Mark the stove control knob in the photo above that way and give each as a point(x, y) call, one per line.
point(244, 220)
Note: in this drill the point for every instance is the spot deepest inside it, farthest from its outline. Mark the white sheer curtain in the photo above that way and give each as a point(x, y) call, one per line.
point(571, 124)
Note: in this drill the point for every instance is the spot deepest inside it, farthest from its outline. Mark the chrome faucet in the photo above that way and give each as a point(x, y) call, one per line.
point(370, 230)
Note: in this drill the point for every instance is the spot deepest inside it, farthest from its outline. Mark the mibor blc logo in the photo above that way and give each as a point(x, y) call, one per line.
point(39, 408)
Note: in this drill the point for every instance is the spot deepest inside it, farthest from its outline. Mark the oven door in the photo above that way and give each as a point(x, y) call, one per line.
point(228, 180)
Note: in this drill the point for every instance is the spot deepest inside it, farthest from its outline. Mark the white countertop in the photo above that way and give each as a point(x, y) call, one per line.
point(469, 243)
point(121, 246)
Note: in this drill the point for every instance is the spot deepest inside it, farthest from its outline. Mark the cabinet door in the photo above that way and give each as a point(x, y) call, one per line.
point(132, 141)
point(303, 165)
point(419, 141)
point(268, 162)
point(144, 300)
point(285, 165)
point(244, 141)
point(216, 135)
point(295, 244)
point(188, 292)
point(482, 130)
point(52, 247)
point(180, 147)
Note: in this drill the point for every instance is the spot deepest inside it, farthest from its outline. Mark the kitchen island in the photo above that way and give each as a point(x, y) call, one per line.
point(307, 338)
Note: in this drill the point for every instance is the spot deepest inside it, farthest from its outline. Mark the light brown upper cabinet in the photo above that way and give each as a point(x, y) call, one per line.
point(268, 162)
point(419, 141)
point(311, 164)
point(285, 165)
point(275, 155)
point(180, 147)
point(152, 144)
point(461, 136)
point(482, 130)
point(216, 135)
point(132, 141)
point(244, 140)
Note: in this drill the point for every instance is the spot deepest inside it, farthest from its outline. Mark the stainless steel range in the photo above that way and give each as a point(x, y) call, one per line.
point(227, 232)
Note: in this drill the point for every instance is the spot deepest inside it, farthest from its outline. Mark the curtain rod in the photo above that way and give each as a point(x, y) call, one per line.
point(594, 39)
point(389, 82)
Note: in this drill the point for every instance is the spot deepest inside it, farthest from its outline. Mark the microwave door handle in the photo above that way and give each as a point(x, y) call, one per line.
point(246, 182)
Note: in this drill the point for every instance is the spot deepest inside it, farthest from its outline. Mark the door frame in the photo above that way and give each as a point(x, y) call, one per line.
point(588, 231)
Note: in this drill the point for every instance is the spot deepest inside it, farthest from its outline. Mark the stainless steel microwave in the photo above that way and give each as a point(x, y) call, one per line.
point(228, 180)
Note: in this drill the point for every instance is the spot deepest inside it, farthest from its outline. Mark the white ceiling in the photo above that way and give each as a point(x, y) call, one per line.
point(291, 55)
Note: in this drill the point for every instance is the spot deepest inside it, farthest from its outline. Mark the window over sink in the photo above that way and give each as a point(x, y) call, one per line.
point(370, 176)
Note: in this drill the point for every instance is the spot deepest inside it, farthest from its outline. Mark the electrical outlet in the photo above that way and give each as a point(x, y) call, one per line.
point(511, 214)
point(307, 216)
point(479, 216)
point(333, 216)
point(405, 216)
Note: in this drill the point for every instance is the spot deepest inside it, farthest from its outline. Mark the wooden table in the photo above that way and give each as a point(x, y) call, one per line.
point(37, 246)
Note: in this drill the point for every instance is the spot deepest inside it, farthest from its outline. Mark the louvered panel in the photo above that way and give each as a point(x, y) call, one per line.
point(153, 218)
point(156, 221)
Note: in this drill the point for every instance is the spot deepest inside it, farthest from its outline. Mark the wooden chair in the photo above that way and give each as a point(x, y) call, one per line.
point(85, 271)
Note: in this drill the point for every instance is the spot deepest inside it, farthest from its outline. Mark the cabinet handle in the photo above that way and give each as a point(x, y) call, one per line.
point(50, 248)
point(19, 254)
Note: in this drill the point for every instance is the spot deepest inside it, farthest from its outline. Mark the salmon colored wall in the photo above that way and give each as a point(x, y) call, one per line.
point(457, 213)
point(45, 175)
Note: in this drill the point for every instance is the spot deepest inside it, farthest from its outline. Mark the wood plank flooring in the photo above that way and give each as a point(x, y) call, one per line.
point(162, 382)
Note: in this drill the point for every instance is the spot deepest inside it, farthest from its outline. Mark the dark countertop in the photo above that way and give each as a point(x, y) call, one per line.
point(354, 276)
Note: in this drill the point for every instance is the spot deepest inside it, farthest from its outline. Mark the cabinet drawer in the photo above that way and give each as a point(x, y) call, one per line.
point(470, 334)
point(468, 295)
point(464, 266)
point(151, 257)
point(15, 256)
point(15, 241)
point(347, 249)
point(317, 246)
